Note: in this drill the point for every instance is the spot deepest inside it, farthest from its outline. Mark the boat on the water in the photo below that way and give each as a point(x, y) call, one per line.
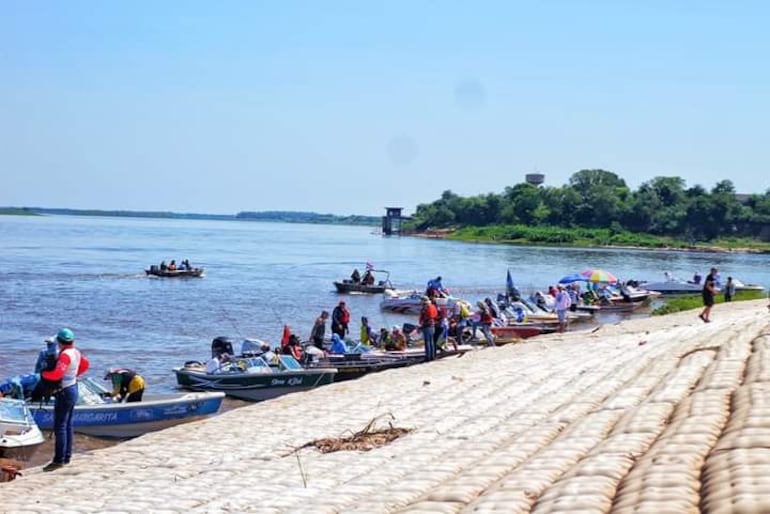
point(156, 271)
point(20, 436)
point(95, 415)
point(410, 302)
point(673, 285)
point(350, 286)
point(250, 376)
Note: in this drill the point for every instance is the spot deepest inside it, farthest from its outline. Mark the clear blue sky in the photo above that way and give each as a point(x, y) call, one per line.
point(348, 107)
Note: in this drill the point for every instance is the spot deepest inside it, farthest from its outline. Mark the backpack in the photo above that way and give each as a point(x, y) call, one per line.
point(44, 390)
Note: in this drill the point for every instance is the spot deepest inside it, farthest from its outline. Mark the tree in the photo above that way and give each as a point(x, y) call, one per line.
point(602, 194)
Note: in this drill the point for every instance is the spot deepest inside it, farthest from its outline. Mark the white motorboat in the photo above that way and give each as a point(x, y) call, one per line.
point(20, 436)
point(410, 302)
point(673, 285)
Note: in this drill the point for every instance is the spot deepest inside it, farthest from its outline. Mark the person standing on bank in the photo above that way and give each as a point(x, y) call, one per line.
point(709, 291)
point(428, 317)
point(319, 330)
point(729, 289)
point(69, 366)
point(340, 320)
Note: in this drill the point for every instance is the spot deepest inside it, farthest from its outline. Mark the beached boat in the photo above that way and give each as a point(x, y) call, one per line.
point(96, 416)
point(20, 436)
point(523, 330)
point(349, 286)
point(155, 271)
point(355, 365)
point(254, 378)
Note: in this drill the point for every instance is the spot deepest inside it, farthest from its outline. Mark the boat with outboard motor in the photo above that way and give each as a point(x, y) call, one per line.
point(156, 271)
point(410, 302)
point(20, 436)
point(97, 415)
point(251, 376)
point(672, 285)
point(350, 286)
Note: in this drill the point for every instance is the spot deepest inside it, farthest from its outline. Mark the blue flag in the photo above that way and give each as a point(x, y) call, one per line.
point(509, 282)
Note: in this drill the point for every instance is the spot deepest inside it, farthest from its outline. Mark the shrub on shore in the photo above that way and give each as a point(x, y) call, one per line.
point(690, 302)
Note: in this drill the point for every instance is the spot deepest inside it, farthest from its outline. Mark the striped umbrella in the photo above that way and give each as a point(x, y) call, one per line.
point(598, 275)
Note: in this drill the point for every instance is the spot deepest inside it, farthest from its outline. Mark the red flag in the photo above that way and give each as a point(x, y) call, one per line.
point(285, 336)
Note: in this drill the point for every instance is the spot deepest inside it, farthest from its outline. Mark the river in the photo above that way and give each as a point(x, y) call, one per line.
point(87, 273)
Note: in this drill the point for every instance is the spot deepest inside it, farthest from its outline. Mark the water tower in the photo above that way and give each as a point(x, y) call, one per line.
point(536, 179)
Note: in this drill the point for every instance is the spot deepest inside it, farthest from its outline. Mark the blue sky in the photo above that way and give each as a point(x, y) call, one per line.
point(348, 107)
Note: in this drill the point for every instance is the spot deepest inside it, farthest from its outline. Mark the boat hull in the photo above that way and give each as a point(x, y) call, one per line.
point(22, 450)
point(254, 387)
point(351, 287)
point(20, 436)
point(191, 273)
point(125, 420)
point(519, 331)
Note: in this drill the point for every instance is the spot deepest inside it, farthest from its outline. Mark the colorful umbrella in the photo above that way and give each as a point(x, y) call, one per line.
point(598, 275)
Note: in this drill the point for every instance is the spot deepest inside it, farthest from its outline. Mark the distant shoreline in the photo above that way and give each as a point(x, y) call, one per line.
point(276, 216)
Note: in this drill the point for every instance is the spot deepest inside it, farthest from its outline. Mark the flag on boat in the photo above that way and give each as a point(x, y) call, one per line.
point(369, 266)
point(509, 282)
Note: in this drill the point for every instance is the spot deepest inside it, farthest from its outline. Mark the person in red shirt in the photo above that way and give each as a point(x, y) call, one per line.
point(428, 317)
point(69, 366)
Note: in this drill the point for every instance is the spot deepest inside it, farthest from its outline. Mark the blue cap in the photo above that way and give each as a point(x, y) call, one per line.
point(65, 336)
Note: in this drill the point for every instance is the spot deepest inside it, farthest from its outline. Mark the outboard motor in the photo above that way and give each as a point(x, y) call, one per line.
point(221, 345)
point(154, 268)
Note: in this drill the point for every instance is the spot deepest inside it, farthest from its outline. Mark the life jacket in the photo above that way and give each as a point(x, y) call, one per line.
point(71, 373)
point(428, 315)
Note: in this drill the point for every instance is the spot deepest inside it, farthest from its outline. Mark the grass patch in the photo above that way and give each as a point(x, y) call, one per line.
point(690, 302)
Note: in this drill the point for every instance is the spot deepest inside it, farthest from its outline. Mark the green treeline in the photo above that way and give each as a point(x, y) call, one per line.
point(597, 205)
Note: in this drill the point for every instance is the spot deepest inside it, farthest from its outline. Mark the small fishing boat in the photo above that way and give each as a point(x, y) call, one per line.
point(20, 436)
point(95, 415)
point(349, 286)
point(155, 271)
point(521, 330)
point(356, 364)
point(254, 378)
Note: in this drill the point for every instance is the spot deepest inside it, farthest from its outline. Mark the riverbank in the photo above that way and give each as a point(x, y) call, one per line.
point(660, 413)
point(567, 238)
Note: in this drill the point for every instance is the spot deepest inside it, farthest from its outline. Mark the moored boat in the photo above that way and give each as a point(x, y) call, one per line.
point(410, 302)
point(254, 378)
point(20, 436)
point(520, 331)
point(355, 365)
point(96, 416)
